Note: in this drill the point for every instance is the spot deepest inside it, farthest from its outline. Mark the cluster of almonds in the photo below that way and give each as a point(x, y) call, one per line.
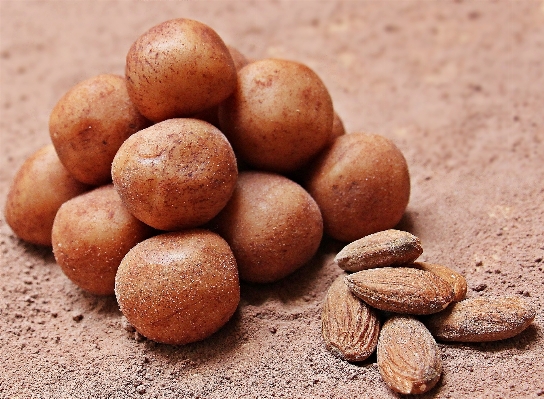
point(195, 170)
point(385, 277)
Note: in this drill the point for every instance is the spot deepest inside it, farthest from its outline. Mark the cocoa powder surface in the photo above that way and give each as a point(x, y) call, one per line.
point(457, 85)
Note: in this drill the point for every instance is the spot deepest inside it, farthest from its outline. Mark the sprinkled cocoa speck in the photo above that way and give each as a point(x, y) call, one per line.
point(126, 325)
point(138, 337)
point(77, 317)
point(479, 287)
point(141, 390)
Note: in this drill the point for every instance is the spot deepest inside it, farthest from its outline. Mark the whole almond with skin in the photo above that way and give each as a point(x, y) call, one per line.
point(385, 248)
point(401, 290)
point(409, 359)
point(457, 280)
point(349, 326)
point(482, 319)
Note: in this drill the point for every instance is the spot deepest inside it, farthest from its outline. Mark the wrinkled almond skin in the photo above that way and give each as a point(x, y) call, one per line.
point(482, 319)
point(349, 326)
point(385, 248)
point(409, 359)
point(457, 280)
point(401, 290)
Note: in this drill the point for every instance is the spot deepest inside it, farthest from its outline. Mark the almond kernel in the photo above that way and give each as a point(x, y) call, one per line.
point(482, 319)
point(385, 248)
point(401, 290)
point(409, 359)
point(350, 327)
point(457, 280)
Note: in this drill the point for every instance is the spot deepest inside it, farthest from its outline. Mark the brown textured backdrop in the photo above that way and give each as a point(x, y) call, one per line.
point(458, 86)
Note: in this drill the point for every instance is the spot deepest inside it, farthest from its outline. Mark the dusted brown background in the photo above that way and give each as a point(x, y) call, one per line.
point(458, 86)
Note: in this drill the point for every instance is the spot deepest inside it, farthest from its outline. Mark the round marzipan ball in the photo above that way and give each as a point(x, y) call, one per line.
point(337, 128)
point(179, 287)
point(272, 225)
point(91, 235)
point(361, 184)
point(211, 115)
point(279, 116)
point(176, 174)
point(39, 188)
point(240, 60)
point(178, 68)
point(89, 124)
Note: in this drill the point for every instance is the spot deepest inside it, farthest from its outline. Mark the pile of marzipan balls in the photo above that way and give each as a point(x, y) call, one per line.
point(222, 169)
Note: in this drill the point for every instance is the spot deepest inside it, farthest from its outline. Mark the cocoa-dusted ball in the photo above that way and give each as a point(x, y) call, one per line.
point(39, 188)
point(211, 115)
point(361, 184)
point(89, 124)
point(178, 68)
point(176, 174)
point(180, 287)
point(279, 116)
point(240, 60)
point(337, 128)
point(272, 225)
point(91, 234)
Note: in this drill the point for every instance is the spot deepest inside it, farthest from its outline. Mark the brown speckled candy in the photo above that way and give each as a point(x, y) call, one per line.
point(409, 360)
point(361, 184)
point(176, 174)
point(385, 248)
point(482, 319)
point(178, 288)
point(89, 124)
point(91, 234)
point(211, 115)
point(238, 58)
point(178, 68)
point(272, 225)
point(401, 290)
point(338, 128)
point(279, 116)
point(40, 187)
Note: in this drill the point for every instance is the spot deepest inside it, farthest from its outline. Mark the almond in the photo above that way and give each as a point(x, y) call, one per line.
point(457, 280)
point(482, 319)
point(350, 327)
point(409, 359)
point(401, 290)
point(385, 248)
